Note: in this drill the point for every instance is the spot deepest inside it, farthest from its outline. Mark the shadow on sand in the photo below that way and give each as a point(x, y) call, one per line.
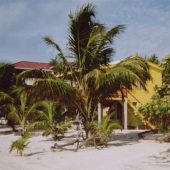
point(34, 153)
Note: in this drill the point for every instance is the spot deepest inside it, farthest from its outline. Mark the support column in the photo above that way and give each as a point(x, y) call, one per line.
point(125, 110)
point(100, 112)
point(116, 112)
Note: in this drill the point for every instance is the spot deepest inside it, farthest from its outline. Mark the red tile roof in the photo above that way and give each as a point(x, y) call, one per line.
point(32, 65)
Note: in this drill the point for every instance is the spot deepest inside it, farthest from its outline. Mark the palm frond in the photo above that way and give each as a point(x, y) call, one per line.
point(80, 28)
point(54, 87)
point(138, 65)
point(33, 75)
point(51, 42)
point(113, 32)
point(4, 97)
point(129, 72)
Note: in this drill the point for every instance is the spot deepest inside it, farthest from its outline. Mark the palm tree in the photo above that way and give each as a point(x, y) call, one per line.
point(23, 112)
point(102, 131)
point(51, 119)
point(91, 77)
point(20, 144)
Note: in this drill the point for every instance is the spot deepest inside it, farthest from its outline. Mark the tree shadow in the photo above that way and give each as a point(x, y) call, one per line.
point(34, 153)
point(7, 132)
point(63, 147)
point(122, 143)
point(66, 149)
point(163, 158)
point(120, 139)
point(70, 136)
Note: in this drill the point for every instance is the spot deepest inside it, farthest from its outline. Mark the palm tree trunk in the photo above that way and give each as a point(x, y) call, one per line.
point(87, 132)
point(23, 129)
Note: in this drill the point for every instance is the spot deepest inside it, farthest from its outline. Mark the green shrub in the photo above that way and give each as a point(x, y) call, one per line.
point(20, 144)
point(100, 132)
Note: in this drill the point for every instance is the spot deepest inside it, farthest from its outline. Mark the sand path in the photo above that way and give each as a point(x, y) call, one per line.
point(121, 155)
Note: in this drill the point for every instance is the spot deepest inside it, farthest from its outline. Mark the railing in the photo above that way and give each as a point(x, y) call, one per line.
point(140, 116)
point(137, 100)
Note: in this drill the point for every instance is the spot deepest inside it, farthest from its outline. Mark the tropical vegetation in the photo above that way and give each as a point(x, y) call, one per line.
point(52, 119)
point(101, 131)
point(22, 112)
point(157, 110)
point(153, 59)
point(79, 81)
point(89, 77)
point(20, 144)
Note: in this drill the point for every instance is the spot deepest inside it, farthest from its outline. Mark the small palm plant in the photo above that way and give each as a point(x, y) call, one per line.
point(50, 121)
point(20, 145)
point(22, 112)
point(100, 132)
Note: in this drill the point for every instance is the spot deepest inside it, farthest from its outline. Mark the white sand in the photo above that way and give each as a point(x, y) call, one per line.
point(121, 155)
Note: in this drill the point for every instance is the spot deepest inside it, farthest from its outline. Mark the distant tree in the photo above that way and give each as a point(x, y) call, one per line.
point(7, 76)
point(166, 66)
point(153, 58)
point(7, 80)
point(165, 89)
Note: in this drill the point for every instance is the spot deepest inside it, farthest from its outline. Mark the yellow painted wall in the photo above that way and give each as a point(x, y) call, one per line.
point(139, 95)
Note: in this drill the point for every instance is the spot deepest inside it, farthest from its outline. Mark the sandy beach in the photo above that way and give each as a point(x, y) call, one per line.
point(121, 154)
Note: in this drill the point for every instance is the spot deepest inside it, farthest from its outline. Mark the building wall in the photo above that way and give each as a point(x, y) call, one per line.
point(30, 81)
point(140, 96)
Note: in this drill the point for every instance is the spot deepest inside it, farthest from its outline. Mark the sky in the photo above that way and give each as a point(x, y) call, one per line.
point(24, 23)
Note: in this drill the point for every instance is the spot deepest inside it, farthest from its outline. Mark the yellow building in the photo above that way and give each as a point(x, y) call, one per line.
point(138, 96)
point(127, 112)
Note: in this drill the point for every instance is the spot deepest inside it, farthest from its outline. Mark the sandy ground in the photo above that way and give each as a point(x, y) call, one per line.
point(124, 153)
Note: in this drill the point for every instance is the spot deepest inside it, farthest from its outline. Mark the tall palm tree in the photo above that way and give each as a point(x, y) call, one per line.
point(93, 79)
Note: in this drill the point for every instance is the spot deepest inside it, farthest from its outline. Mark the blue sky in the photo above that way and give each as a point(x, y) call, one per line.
point(23, 24)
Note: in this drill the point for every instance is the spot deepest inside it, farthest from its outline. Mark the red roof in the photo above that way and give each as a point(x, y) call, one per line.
point(32, 65)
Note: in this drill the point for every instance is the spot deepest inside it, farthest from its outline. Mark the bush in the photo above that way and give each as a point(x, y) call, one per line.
point(100, 132)
point(20, 144)
point(157, 111)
